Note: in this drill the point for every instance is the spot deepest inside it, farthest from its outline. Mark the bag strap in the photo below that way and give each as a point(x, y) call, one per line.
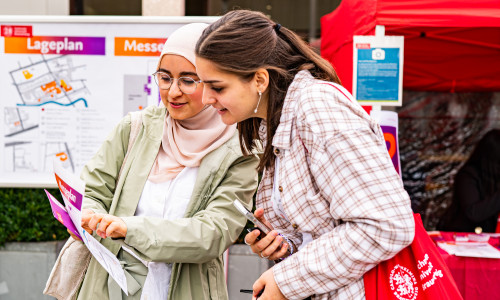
point(135, 128)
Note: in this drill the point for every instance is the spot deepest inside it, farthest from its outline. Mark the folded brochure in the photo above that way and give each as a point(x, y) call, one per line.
point(72, 190)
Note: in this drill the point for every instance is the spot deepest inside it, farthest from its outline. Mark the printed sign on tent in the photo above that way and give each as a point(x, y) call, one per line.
point(388, 121)
point(378, 69)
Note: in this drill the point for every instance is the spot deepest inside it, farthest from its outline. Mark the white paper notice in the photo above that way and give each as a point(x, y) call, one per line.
point(73, 189)
point(483, 250)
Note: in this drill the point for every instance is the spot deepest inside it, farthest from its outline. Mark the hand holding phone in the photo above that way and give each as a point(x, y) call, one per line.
point(251, 292)
point(272, 248)
point(250, 216)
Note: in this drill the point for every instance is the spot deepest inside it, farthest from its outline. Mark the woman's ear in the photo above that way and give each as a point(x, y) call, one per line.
point(261, 78)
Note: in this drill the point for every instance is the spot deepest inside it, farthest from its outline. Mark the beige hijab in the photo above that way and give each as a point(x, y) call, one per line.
point(186, 142)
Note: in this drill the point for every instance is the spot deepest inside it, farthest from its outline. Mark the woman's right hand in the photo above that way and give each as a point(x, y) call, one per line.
point(87, 215)
point(269, 246)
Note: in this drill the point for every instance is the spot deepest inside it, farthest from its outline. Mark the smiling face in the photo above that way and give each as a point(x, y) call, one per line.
point(179, 105)
point(234, 99)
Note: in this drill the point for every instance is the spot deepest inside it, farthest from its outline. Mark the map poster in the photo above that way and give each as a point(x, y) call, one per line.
point(66, 82)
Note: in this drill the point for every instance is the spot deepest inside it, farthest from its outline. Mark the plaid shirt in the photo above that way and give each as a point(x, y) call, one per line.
point(337, 183)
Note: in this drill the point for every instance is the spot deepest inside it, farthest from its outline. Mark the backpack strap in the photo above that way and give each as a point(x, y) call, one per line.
point(135, 128)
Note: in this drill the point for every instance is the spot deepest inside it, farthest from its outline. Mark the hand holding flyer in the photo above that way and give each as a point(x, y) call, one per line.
point(70, 215)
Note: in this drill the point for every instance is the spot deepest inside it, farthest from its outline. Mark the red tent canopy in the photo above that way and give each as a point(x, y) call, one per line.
point(449, 45)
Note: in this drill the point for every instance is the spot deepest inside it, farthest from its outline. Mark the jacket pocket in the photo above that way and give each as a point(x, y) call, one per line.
point(215, 282)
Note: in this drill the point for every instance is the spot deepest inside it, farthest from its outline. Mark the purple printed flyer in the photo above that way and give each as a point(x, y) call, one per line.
point(72, 190)
point(73, 196)
point(61, 214)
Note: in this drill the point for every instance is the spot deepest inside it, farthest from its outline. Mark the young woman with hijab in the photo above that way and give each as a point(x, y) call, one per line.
point(328, 187)
point(169, 217)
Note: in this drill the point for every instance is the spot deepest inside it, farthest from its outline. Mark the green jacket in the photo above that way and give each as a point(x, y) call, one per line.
point(193, 244)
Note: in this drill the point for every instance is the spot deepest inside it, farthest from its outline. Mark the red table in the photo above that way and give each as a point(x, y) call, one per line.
point(476, 278)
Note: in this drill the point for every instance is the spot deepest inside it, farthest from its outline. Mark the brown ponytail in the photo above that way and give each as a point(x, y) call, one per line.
point(243, 41)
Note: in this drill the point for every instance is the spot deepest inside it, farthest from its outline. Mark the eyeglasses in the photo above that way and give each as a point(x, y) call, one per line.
point(187, 85)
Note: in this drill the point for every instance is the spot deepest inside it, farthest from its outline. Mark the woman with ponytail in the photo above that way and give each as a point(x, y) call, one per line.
point(329, 191)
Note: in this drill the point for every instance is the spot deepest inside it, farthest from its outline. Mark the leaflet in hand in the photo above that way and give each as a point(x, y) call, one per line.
point(72, 190)
point(61, 214)
point(70, 215)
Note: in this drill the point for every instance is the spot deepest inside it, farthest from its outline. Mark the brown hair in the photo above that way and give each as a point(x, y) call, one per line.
point(243, 41)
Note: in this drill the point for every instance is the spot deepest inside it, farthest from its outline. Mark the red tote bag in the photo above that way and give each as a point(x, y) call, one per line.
point(418, 272)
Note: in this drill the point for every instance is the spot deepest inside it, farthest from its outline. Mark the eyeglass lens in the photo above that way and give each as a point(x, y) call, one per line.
point(187, 85)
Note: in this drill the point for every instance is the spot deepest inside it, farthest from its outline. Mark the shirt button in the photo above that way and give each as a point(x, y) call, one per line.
point(276, 151)
point(280, 188)
point(295, 226)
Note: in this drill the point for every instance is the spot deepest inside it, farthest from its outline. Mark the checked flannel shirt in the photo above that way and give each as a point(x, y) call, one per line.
point(337, 183)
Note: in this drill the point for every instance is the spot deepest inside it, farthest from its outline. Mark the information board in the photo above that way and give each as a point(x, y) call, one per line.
point(66, 81)
point(378, 70)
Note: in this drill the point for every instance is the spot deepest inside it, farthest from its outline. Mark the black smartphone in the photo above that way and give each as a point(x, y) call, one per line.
point(262, 234)
point(264, 230)
point(251, 292)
